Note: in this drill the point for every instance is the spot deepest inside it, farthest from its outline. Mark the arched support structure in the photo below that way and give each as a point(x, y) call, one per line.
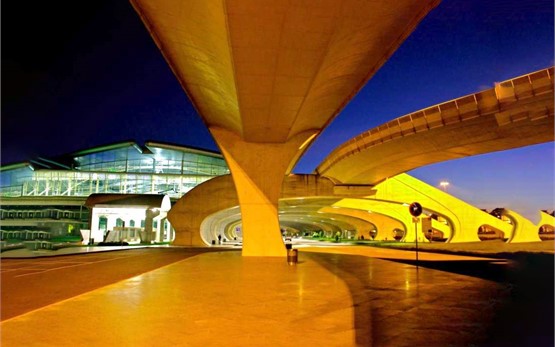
point(545, 218)
point(296, 216)
point(395, 211)
point(524, 230)
point(220, 223)
point(547, 223)
point(219, 193)
point(384, 209)
point(205, 199)
point(464, 218)
point(382, 221)
point(258, 170)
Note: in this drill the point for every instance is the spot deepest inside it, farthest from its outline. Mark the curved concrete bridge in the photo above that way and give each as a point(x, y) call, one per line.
point(267, 76)
point(515, 113)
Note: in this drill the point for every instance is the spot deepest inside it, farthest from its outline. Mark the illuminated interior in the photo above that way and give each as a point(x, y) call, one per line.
point(46, 198)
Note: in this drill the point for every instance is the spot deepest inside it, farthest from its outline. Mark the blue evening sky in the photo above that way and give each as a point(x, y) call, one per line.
point(81, 74)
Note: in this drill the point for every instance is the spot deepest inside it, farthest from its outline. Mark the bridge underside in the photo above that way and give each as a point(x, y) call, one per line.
point(267, 76)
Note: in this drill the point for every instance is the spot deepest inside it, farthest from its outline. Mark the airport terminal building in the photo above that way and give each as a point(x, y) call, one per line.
point(122, 189)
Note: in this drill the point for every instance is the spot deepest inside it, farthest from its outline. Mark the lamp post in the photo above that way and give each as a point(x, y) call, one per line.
point(444, 184)
point(415, 209)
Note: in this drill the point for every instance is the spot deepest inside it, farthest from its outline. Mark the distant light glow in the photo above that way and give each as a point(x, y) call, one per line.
point(444, 185)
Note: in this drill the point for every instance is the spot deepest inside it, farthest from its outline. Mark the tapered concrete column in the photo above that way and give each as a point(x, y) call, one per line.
point(258, 170)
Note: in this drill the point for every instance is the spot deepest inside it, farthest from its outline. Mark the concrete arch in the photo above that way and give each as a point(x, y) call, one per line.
point(396, 211)
point(487, 233)
point(382, 217)
point(302, 211)
point(187, 214)
point(217, 194)
point(524, 230)
point(215, 203)
point(547, 221)
point(219, 224)
point(465, 218)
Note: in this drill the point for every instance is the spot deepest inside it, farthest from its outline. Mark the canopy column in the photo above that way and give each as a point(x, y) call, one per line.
point(258, 170)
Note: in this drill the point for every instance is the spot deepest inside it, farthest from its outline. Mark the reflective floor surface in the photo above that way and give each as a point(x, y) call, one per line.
point(327, 299)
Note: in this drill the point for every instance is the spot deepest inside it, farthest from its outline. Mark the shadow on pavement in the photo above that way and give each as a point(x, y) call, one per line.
point(508, 303)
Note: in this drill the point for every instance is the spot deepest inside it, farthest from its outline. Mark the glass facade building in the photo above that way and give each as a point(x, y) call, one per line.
point(46, 197)
point(124, 168)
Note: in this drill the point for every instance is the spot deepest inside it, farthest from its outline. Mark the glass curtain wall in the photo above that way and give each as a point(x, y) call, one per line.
point(123, 171)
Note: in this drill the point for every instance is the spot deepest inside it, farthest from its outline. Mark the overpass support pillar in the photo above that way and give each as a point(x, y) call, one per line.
point(258, 170)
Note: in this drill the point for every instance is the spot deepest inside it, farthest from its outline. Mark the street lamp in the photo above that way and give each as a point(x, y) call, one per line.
point(444, 184)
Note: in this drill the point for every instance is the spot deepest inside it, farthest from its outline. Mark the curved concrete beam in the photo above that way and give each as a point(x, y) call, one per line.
point(394, 210)
point(516, 113)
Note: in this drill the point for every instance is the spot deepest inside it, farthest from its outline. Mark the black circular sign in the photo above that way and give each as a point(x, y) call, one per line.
point(415, 209)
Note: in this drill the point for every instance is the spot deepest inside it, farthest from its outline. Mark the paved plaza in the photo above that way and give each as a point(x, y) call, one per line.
point(340, 296)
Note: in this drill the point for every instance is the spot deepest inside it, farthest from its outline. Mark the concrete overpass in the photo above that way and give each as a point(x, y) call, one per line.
point(515, 113)
point(267, 76)
point(210, 209)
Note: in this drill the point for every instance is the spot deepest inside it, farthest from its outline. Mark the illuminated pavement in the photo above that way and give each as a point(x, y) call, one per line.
point(327, 299)
point(30, 284)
